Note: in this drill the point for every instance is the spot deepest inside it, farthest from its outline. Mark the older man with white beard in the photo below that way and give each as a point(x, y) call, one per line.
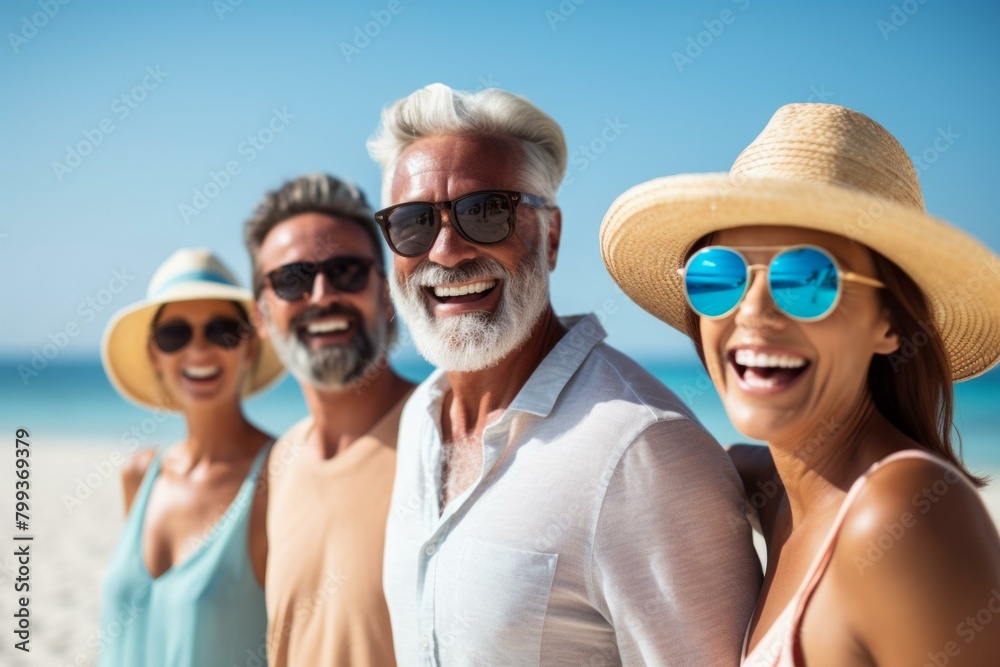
point(554, 503)
point(321, 290)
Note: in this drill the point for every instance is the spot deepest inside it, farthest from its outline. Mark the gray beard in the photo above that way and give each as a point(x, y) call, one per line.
point(474, 341)
point(331, 368)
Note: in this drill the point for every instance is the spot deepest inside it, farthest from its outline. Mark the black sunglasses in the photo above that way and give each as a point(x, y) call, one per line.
point(295, 281)
point(225, 332)
point(484, 218)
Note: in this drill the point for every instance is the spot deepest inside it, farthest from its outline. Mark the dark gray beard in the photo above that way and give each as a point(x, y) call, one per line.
point(332, 368)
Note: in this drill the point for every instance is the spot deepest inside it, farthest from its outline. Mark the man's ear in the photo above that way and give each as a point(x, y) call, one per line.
point(253, 347)
point(258, 319)
point(390, 307)
point(555, 232)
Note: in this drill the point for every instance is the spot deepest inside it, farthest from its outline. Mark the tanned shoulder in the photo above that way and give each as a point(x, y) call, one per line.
point(133, 470)
point(917, 556)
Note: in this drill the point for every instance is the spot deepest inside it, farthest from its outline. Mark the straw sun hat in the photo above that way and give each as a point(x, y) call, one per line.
point(187, 275)
point(822, 167)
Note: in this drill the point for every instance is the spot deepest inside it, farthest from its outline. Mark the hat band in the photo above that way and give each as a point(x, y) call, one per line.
point(192, 276)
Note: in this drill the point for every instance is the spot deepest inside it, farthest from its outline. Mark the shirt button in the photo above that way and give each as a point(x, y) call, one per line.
point(429, 551)
point(424, 643)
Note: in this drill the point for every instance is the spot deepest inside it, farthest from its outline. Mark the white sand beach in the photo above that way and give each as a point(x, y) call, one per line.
point(76, 516)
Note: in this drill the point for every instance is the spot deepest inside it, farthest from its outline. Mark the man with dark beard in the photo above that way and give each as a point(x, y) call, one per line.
point(554, 503)
point(320, 286)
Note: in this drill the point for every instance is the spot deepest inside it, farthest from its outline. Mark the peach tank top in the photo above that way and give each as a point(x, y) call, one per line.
point(780, 645)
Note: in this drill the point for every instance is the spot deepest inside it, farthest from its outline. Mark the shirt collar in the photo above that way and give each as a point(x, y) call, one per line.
point(539, 394)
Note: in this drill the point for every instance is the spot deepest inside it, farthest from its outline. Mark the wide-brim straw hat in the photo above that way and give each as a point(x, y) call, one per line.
point(187, 275)
point(822, 167)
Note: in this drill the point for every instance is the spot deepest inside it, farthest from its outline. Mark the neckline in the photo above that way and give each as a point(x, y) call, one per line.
point(780, 622)
point(371, 439)
point(211, 536)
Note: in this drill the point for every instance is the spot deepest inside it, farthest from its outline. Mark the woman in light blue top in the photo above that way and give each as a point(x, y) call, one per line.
point(185, 585)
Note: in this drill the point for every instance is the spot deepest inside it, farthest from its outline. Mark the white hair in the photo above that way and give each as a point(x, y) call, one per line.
point(437, 109)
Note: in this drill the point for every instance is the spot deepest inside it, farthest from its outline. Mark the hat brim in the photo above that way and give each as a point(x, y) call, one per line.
point(126, 359)
point(649, 230)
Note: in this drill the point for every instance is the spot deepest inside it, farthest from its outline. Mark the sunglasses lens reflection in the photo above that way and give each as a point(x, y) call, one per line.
point(412, 229)
point(715, 281)
point(804, 282)
point(484, 217)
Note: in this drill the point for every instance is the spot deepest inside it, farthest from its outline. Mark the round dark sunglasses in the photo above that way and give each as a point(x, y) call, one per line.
point(805, 281)
point(484, 218)
point(225, 332)
point(295, 281)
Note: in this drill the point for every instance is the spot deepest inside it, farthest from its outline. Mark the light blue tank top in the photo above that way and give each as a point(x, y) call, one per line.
point(207, 611)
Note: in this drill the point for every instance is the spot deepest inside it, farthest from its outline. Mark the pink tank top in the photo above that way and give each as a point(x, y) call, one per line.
point(779, 645)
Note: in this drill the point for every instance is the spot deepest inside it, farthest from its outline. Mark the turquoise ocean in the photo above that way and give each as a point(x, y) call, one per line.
point(71, 401)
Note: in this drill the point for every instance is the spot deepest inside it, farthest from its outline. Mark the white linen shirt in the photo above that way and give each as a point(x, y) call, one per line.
point(607, 527)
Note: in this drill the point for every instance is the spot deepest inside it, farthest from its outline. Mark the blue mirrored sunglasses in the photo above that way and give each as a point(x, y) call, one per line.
point(805, 281)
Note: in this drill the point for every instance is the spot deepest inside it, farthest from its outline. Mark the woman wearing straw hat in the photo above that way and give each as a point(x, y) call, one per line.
point(833, 315)
point(184, 586)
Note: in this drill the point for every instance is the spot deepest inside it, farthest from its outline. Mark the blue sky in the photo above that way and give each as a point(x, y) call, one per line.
point(165, 95)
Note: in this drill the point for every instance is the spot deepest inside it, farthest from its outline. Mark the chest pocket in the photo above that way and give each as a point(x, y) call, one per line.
point(499, 599)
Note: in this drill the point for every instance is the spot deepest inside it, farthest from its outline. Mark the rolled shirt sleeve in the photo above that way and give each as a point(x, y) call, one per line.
point(673, 565)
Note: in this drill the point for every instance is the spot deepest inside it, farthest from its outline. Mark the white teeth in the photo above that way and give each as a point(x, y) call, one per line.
point(328, 326)
point(462, 290)
point(754, 380)
point(200, 372)
point(750, 358)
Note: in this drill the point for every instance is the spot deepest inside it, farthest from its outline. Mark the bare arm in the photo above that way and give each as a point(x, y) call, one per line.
point(258, 523)
point(934, 576)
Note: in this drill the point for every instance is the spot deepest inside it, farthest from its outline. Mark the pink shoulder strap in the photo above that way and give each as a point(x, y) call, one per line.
point(819, 566)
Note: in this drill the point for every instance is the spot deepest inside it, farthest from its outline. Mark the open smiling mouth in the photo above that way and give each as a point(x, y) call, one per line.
point(758, 370)
point(201, 373)
point(463, 293)
point(326, 328)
